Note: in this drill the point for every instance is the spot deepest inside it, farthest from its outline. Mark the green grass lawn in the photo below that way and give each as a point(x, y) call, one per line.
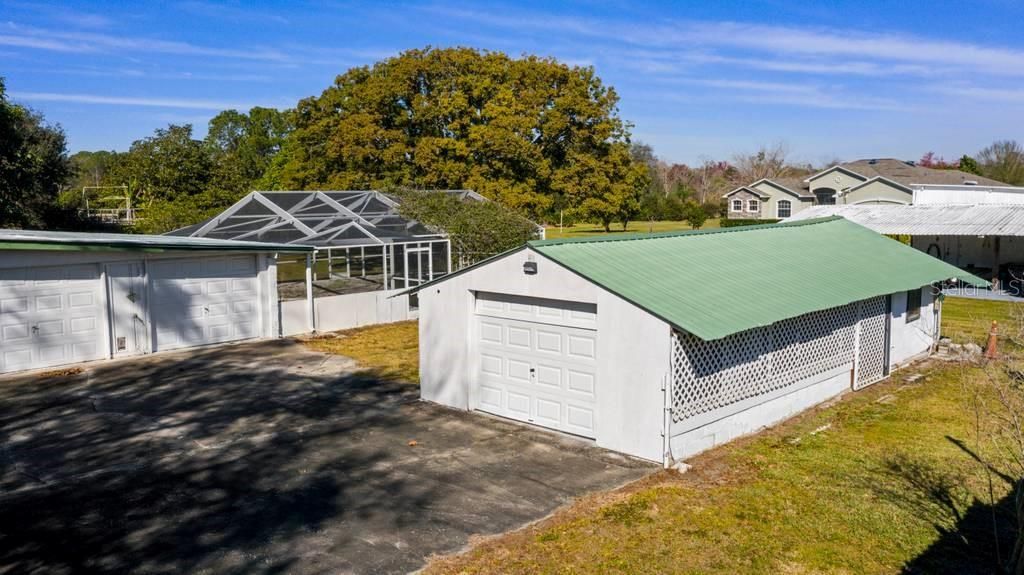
point(584, 230)
point(968, 320)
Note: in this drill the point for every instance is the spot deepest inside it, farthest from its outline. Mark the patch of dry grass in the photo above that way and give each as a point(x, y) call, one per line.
point(390, 350)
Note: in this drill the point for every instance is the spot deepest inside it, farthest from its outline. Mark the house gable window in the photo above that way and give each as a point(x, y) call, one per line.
point(913, 305)
point(737, 205)
point(753, 205)
point(784, 209)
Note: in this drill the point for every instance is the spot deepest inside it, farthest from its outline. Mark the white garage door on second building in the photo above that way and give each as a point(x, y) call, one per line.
point(204, 300)
point(50, 316)
point(537, 361)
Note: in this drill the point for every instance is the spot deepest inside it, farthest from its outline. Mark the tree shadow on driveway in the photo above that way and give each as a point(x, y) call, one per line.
point(263, 458)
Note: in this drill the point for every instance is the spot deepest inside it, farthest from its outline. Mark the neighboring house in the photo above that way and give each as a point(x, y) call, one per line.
point(642, 345)
point(72, 297)
point(875, 181)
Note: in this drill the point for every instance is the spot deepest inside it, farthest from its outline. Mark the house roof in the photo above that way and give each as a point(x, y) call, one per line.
point(928, 219)
point(788, 185)
point(714, 283)
point(81, 241)
point(750, 190)
point(335, 218)
point(907, 174)
point(892, 183)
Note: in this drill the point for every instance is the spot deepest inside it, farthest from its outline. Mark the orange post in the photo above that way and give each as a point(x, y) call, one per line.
point(990, 349)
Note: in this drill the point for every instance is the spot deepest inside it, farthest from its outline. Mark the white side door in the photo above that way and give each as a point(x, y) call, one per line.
point(129, 331)
point(200, 301)
point(537, 361)
point(50, 316)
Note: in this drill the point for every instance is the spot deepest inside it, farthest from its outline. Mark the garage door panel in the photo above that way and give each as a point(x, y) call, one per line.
point(491, 332)
point(16, 359)
point(14, 333)
point(549, 376)
point(14, 305)
point(518, 403)
point(533, 370)
point(580, 418)
point(490, 397)
point(519, 337)
point(83, 325)
point(581, 382)
point(581, 347)
point(215, 287)
point(549, 341)
point(518, 370)
point(549, 412)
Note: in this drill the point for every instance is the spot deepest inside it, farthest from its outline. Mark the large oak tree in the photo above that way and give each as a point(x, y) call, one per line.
point(532, 133)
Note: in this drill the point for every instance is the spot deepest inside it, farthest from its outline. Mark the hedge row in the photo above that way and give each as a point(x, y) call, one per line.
point(732, 223)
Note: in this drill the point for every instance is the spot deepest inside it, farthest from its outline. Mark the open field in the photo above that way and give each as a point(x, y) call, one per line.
point(584, 230)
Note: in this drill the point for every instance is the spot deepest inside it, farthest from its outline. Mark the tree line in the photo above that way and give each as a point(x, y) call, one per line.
point(536, 135)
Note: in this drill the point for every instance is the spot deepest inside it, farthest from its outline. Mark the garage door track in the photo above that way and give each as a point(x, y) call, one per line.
point(263, 458)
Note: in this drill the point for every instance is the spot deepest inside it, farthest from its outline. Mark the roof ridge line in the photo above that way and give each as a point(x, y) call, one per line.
point(661, 235)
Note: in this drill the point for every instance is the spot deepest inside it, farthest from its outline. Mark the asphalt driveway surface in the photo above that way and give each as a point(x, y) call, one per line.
point(263, 458)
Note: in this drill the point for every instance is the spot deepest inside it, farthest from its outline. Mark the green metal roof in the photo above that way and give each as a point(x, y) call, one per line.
point(84, 241)
point(713, 283)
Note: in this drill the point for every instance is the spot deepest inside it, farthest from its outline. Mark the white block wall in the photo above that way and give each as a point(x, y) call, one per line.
point(633, 347)
point(346, 311)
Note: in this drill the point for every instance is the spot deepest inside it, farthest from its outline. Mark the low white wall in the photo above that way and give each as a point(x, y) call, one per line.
point(345, 311)
point(750, 420)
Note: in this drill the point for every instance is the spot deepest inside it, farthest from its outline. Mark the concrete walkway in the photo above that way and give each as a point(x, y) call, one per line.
point(263, 458)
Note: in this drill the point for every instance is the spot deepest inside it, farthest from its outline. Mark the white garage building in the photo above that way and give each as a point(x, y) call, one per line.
point(73, 297)
point(664, 345)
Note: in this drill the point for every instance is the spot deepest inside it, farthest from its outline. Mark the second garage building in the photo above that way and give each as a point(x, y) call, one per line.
point(663, 345)
point(74, 297)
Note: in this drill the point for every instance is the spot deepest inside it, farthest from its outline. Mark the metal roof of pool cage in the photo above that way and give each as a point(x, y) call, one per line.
point(324, 219)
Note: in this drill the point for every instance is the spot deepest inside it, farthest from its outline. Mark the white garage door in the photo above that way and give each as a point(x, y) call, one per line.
point(50, 316)
point(537, 361)
point(204, 300)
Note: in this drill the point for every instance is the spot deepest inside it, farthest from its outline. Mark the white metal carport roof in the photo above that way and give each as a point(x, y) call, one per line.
point(86, 241)
point(928, 219)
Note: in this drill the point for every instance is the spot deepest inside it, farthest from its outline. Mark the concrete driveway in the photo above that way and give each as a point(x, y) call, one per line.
point(263, 458)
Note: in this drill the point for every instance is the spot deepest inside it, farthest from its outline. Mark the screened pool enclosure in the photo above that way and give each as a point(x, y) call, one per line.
point(362, 242)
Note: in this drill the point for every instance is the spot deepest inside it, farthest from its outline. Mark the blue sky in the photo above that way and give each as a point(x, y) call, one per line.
point(835, 80)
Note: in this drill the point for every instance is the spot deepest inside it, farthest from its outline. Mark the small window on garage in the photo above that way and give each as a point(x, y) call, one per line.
point(753, 205)
point(737, 205)
point(913, 305)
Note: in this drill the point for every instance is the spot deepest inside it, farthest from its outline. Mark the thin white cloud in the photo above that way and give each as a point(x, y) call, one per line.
point(802, 42)
point(229, 12)
point(181, 103)
point(71, 41)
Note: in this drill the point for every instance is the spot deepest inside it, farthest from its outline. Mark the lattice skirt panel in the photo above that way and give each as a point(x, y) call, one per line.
point(872, 351)
point(710, 375)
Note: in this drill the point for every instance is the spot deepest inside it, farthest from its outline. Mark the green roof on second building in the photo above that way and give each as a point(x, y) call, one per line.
point(713, 283)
